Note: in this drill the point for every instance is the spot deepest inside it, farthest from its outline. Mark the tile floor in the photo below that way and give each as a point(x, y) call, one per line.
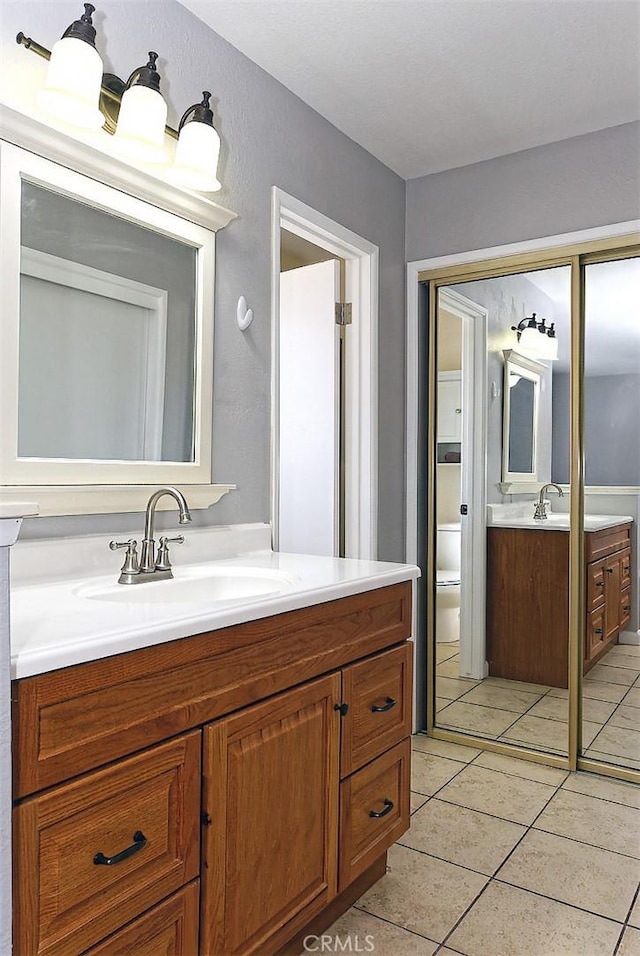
point(504, 858)
point(536, 716)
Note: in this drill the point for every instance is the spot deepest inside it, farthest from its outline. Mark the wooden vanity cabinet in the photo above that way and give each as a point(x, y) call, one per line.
point(528, 600)
point(265, 765)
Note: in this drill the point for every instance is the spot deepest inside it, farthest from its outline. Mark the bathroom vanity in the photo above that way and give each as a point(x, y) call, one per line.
point(528, 595)
point(226, 792)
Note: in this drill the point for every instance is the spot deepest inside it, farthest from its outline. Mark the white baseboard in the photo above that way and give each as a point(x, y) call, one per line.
point(629, 637)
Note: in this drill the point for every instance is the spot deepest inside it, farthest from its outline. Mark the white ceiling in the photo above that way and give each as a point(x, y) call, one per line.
point(612, 315)
point(427, 85)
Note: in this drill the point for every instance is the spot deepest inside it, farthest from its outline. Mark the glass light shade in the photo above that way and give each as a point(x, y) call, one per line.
point(141, 121)
point(196, 160)
point(538, 345)
point(72, 89)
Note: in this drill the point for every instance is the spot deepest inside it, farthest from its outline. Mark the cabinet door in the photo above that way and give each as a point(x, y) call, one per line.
point(449, 410)
point(612, 579)
point(270, 812)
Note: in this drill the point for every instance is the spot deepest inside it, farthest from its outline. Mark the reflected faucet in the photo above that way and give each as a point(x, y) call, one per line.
point(541, 506)
point(151, 567)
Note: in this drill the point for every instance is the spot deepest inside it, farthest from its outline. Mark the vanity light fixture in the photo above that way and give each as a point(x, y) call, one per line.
point(537, 339)
point(79, 94)
point(74, 77)
point(142, 116)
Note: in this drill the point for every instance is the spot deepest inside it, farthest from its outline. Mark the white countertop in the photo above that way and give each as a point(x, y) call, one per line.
point(53, 626)
point(521, 516)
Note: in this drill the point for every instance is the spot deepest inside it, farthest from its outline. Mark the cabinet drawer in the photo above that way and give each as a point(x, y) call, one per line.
point(95, 853)
point(378, 692)
point(170, 929)
point(625, 607)
point(595, 585)
point(625, 569)
point(374, 810)
point(600, 543)
point(595, 633)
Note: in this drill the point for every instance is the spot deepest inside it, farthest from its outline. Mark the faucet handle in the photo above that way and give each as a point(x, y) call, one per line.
point(162, 562)
point(130, 565)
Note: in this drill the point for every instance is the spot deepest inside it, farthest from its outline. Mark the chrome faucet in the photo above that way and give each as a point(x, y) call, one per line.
point(151, 567)
point(541, 505)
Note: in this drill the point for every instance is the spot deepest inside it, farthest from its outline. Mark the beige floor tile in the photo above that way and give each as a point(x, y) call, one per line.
point(630, 945)
point(613, 760)
point(507, 921)
point(632, 649)
point(585, 876)
point(540, 733)
point(417, 800)
point(634, 918)
point(626, 717)
point(445, 651)
point(501, 698)
point(500, 794)
point(550, 735)
point(443, 748)
point(421, 893)
point(617, 742)
point(611, 675)
point(452, 688)
point(594, 821)
point(441, 703)
point(359, 932)
point(551, 708)
point(601, 690)
point(622, 656)
point(632, 697)
point(429, 773)
point(484, 721)
point(628, 794)
point(462, 836)
point(521, 768)
point(557, 708)
point(517, 685)
point(450, 668)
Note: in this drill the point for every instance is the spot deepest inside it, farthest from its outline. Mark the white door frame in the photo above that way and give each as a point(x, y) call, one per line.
point(361, 257)
point(473, 473)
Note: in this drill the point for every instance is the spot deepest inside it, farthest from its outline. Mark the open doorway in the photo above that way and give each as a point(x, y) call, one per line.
point(349, 265)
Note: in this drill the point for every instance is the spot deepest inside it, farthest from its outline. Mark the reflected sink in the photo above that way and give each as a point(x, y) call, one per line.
point(500, 516)
point(200, 585)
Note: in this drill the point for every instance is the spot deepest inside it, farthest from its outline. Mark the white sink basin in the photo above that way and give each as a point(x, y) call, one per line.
point(558, 522)
point(201, 585)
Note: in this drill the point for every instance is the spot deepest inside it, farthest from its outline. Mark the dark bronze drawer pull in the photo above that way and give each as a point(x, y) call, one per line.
point(626, 607)
point(599, 584)
point(598, 630)
point(609, 570)
point(388, 807)
point(389, 702)
point(139, 841)
point(626, 567)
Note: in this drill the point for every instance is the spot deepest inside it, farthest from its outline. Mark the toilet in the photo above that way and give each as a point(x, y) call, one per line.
point(448, 556)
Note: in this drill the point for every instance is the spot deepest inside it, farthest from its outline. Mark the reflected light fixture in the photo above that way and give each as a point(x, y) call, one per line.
point(537, 339)
point(79, 94)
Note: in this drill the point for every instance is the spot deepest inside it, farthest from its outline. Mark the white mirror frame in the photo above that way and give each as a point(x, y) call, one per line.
point(64, 486)
point(531, 370)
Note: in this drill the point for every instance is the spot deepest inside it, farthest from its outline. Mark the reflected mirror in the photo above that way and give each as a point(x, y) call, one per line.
point(520, 423)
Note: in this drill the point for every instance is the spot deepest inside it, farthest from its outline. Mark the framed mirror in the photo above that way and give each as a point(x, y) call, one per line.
point(106, 333)
point(520, 423)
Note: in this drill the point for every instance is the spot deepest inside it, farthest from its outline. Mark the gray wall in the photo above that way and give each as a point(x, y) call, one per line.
point(270, 137)
point(578, 183)
point(612, 429)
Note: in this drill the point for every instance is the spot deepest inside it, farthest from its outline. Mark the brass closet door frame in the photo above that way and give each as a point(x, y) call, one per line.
point(577, 256)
